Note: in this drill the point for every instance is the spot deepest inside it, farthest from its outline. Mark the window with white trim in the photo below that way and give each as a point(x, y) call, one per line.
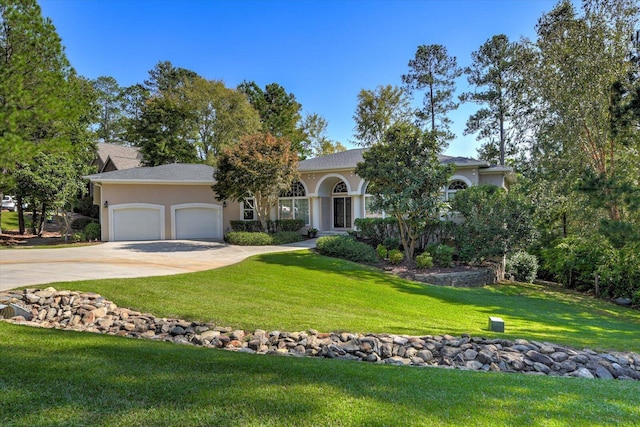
point(340, 188)
point(453, 187)
point(248, 210)
point(293, 204)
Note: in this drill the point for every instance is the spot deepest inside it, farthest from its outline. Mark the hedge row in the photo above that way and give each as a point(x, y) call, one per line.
point(276, 226)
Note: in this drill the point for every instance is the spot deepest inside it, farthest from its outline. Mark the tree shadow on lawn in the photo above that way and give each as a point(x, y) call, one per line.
point(532, 311)
point(94, 379)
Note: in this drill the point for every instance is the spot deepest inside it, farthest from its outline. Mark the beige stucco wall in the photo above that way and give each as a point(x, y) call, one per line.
point(496, 179)
point(321, 183)
point(166, 195)
point(469, 175)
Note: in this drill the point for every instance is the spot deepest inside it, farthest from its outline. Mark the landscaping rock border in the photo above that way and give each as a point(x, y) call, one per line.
point(90, 312)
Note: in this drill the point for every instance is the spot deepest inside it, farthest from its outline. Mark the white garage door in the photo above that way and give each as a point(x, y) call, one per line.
point(137, 223)
point(198, 222)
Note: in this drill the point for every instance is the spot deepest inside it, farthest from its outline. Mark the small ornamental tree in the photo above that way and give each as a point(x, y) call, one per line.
point(260, 166)
point(406, 178)
point(495, 222)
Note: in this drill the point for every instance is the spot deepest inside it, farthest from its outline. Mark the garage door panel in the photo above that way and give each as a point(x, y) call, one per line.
point(198, 223)
point(137, 224)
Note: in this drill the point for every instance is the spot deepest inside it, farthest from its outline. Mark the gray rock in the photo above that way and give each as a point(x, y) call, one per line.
point(473, 365)
point(539, 357)
point(425, 355)
point(541, 367)
point(559, 356)
point(623, 301)
point(486, 357)
point(602, 372)
point(177, 330)
point(470, 354)
point(350, 346)
point(449, 351)
point(547, 349)
point(583, 373)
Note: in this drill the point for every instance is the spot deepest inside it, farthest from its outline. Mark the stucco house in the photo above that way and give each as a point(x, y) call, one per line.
point(176, 201)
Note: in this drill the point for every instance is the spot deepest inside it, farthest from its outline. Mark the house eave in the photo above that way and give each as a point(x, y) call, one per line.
point(149, 181)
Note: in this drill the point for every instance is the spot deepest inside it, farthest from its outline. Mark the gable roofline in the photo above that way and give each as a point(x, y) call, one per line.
point(174, 173)
point(350, 158)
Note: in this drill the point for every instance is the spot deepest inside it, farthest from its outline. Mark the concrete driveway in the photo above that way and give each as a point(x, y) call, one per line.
point(30, 267)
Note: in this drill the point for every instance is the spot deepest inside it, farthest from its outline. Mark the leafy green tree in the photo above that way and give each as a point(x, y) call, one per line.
point(42, 102)
point(260, 166)
point(495, 222)
point(111, 119)
point(51, 182)
point(165, 78)
point(280, 113)
point(220, 116)
point(164, 132)
point(582, 61)
point(317, 142)
point(405, 176)
point(377, 111)
point(496, 75)
point(435, 72)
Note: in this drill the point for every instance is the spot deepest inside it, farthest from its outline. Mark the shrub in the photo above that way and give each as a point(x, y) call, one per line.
point(347, 248)
point(84, 206)
point(396, 256)
point(245, 238)
point(289, 225)
point(576, 261)
point(424, 260)
point(523, 266)
point(381, 250)
point(442, 254)
point(376, 230)
point(92, 231)
point(80, 223)
point(392, 243)
point(79, 237)
point(284, 237)
point(254, 226)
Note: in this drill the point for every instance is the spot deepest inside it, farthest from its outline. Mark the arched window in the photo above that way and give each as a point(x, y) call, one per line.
point(454, 186)
point(296, 190)
point(293, 204)
point(340, 188)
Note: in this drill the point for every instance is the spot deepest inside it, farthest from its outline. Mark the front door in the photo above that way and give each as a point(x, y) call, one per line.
point(342, 212)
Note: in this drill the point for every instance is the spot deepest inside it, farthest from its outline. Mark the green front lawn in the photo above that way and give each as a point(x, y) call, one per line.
point(301, 290)
point(54, 378)
point(9, 221)
point(50, 377)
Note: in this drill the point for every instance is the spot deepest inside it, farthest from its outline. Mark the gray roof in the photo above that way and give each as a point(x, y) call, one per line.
point(123, 157)
point(350, 158)
point(174, 172)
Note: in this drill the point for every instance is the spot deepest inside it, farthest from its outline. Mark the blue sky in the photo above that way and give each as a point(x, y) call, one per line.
point(324, 52)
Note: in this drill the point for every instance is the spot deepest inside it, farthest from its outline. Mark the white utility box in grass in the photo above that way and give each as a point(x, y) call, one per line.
point(496, 324)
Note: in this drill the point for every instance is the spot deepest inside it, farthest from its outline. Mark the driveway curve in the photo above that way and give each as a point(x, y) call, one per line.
point(110, 260)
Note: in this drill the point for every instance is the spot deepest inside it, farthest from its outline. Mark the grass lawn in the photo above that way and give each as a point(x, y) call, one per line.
point(10, 221)
point(50, 377)
point(301, 290)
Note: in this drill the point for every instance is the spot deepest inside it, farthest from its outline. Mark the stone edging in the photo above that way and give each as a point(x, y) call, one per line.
point(90, 312)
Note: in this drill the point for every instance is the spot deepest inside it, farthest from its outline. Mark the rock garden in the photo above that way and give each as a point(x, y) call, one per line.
point(90, 312)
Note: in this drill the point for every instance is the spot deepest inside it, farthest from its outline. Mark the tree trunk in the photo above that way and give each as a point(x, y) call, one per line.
point(20, 215)
point(43, 217)
point(34, 219)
